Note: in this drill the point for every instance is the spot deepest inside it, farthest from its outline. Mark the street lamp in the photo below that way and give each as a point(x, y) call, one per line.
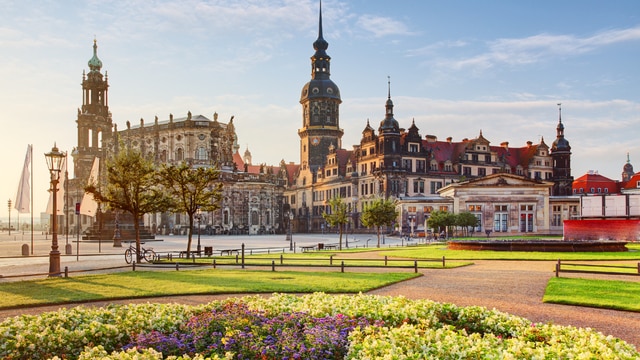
point(290, 235)
point(55, 158)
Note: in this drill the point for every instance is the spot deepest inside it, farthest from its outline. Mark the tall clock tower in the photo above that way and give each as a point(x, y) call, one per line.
point(320, 101)
point(94, 119)
point(561, 157)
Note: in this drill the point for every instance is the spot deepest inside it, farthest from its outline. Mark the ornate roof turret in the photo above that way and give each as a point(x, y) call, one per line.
point(320, 85)
point(389, 124)
point(94, 63)
point(560, 144)
point(627, 170)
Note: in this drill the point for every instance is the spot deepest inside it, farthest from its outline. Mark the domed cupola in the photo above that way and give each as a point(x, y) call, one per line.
point(627, 170)
point(94, 63)
point(389, 124)
point(560, 143)
point(320, 85)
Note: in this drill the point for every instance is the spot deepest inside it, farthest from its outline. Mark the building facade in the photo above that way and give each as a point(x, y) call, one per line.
point(422, 173)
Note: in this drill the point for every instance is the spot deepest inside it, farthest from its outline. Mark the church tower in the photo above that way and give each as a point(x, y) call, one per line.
point(389, 148)
point(561, 157)
point(94, 119)
point(320, 100)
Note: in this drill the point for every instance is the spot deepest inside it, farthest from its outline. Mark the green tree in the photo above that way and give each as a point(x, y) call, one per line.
point(441, 219)
point(338, 216)
point(379, 213)
point(131, 187)
point(466, 220)
point(191, 189)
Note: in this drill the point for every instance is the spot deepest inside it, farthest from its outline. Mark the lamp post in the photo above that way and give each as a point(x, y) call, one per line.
point(290, 235)
point(9, 206)
point(55, 158)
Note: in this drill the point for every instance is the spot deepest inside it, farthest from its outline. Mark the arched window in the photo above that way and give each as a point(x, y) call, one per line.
point(201, 153)
point(254, 217)
point(179, 154)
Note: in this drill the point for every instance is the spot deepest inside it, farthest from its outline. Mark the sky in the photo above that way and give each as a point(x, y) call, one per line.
point(456, 68)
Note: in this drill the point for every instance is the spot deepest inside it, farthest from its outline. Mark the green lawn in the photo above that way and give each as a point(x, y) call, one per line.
point(440, 250)
point(609, 294)
point(165, 283)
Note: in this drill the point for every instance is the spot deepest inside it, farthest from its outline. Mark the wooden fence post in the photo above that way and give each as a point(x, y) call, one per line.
point(415, 266)
point(443, 263)
point(214, 263)
point(330, 259)
point(342, 266)
point(385, 260)
point(558, 268)
point(281, 259)
point(177, 266)
point(273, 265)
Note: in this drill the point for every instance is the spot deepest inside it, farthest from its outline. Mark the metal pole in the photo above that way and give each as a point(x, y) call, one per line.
point(54, 254)
point(9, 206)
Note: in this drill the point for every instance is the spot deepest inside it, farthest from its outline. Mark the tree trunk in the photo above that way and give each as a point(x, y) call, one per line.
point(189, 236)
point(136, 227)
point(340, 243)
point(378, 232)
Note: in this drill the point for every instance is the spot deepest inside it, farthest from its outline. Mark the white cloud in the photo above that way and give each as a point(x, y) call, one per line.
point(541, 47)
point(382, 26)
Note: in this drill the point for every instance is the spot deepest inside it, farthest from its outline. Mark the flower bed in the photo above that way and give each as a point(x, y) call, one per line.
point(315, 326)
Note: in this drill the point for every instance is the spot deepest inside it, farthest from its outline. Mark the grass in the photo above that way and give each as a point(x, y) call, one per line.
point(325, 259)
point(440, 250)
point(608, 294)
point(164, 283)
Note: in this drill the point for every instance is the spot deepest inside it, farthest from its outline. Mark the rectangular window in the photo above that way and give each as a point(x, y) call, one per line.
point(407, 164)
point(413, 147)
point(482, 172)
point(435, 185)
point(501, 218)
point(421, 165)
point(411, 209)
point(526, 218)
point(466, 171)
point(427, 209)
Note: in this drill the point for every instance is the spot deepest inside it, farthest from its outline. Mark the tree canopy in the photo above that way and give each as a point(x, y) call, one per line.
point(380, 212)
point(338, 216)
point(189, 190)
point(132, 187)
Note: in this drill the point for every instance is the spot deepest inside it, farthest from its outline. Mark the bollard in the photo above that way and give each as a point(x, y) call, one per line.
point(558, 268)
point(273, 265)
point(177, 266)
point(133, 266)
point(25, 250)
point(415, 266)
point(237, 258)
point(243, 255)
point(342, 266)
point(66, 271)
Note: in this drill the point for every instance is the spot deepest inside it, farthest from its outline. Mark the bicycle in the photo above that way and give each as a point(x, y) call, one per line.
point(147, 254)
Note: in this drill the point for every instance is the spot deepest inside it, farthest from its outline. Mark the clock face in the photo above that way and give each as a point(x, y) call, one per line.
point(315, 141)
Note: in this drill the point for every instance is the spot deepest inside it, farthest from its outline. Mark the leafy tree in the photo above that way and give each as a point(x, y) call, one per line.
point(338, 216)
point(379, 213)
point(191, 189)
point(441, 219)
point(466, 220)
point(131, 187)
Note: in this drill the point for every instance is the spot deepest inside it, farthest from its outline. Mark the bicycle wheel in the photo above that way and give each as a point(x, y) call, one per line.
point(128, 256)
point(149, 255)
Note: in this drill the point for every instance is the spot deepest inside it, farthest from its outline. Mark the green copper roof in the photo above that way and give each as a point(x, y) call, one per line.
point(95, 64)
